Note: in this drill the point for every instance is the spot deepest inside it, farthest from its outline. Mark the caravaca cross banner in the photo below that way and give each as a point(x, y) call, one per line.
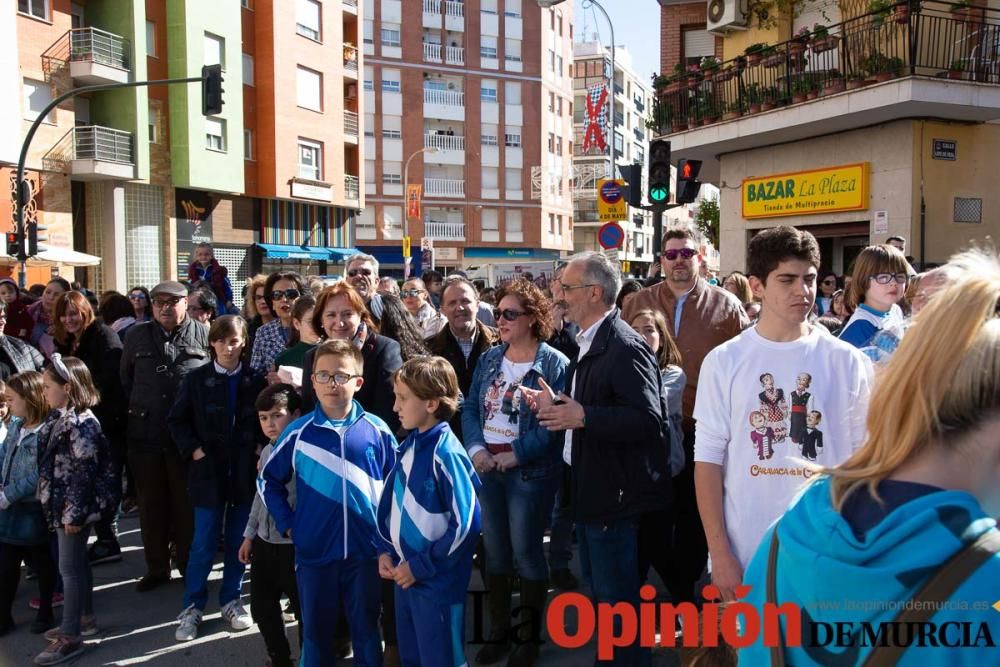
point(828, 190)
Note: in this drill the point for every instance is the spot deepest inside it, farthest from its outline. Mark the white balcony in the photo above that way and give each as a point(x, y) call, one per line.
point(432, 14)
point(444, 187)
point(451, 149)
point(351, 60)
point(454, 55)
point(352, 187)
point(454, 16)
point(444, 104)
point(95, 56)
point(432, 53)
point(351, 126)
point(444, 231)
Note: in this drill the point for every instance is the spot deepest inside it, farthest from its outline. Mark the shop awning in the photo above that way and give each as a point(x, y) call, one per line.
point(316, 253)
point(54, 256)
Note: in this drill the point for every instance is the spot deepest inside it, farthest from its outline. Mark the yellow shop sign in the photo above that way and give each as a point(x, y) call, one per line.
point(843, 188)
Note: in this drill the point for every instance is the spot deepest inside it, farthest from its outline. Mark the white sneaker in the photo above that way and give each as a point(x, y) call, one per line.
point(237, 616)
point(188, 628)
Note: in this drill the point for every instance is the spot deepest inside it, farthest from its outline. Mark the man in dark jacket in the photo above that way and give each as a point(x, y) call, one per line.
point(464, 339)
point(613, 418)
point(157, 356)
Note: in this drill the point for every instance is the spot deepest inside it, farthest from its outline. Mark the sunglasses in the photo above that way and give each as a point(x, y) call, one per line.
point(411, 292)
point(886, 278)
point(686, 253)
point(364, 272)
point(340, 379)
point(290, 294)
point(137, 297)
point(508, 314)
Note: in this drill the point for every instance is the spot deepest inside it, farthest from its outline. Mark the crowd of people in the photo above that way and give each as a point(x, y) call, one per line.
point(358, 443)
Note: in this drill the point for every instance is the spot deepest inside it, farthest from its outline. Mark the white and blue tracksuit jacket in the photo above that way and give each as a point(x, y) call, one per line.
point(429, 513)
point(340, 468)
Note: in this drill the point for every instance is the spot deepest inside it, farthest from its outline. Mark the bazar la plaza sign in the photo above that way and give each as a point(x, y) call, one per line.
point(827, 190)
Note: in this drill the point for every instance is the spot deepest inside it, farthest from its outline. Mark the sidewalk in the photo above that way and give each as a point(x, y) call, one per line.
point(138, 629)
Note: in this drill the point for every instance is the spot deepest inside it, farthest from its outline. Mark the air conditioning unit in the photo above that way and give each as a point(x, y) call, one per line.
point(725, 16)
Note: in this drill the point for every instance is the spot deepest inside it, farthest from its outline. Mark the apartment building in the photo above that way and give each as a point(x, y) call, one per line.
point(138, 176)
point(876, 120)
point(633, 98)
point(472, 102)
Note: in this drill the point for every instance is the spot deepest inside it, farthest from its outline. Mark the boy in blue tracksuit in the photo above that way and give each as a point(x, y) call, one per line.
point(340, 456)
point(429, 518)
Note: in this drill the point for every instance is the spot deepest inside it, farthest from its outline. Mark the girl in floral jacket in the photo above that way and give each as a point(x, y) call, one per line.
point(77, 487)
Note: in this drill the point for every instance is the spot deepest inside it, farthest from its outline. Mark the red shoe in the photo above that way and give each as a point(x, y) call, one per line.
point(57, 601)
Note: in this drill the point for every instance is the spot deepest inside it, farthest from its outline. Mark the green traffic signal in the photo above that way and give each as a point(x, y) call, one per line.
point(658, 194)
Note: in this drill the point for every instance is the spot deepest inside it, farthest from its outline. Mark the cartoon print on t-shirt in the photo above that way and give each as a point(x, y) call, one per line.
point(812, 438)
point(762, 435)
point(492, 396)
point(511, 401)
point(774, 407)
point(800, 407)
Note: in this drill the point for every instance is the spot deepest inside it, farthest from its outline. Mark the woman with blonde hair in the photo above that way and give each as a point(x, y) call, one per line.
point(739, 284)
point(922, 489)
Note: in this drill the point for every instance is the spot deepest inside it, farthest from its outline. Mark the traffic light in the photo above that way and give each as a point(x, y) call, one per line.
point(632, 173)
point(34, 238)
point(15, 244)
point(659, 172)
point(211, 90)
point(687, 180)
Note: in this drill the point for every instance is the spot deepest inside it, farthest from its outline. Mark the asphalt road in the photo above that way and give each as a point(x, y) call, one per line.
point(138, 629)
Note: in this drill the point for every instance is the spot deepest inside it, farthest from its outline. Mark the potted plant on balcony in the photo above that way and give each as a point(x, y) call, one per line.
point(800, 89)
point(834, 83)
point(855, 80)
point(739, 64)
point(901, 11)
point(709, 109)
point(879, 11)
point(693, 79)
point(822, 39)
point(798, 61)
point(799, 41)
point(754, 53)
point(733, 111)
point(769, 99)
point(753, 98)
point(771, 57)
point(956, 69)
point(709, 65)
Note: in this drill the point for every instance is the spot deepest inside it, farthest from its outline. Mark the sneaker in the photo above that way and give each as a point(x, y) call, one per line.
point(288, 612)
point(188, 628)
point(104, 551)
point(57, 601)
point(237, 616)
point(61, 649)
point(88, 628)
point(563, 579)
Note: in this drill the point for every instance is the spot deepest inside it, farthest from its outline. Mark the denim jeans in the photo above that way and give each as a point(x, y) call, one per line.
point(77, 579)
point(208, 524)
point(515, 507)
point(609, 560)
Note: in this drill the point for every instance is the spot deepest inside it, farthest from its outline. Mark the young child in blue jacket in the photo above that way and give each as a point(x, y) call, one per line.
point(340, 456)
point(428, 553)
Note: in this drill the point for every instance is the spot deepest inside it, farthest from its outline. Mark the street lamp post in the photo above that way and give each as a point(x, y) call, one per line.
point(406, 201)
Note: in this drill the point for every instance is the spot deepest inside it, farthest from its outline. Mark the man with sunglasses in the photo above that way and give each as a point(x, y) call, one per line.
point(700, 317)
point(362, 275)
point(156, 357)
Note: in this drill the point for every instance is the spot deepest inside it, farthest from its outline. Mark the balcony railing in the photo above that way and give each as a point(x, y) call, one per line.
point(99, 46)
point(926, 39)
point(454, 55)
point(444, 187)
point(432, 52)
point(445, 142)
point(351, 123)
point(455, 9)
point(352, 187)
point(449, 98)
point(432, 6)
point(350, 58)
point(105, 144)
point(444, 231)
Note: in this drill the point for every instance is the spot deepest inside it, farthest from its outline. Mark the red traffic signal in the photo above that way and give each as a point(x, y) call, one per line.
point(688, 184)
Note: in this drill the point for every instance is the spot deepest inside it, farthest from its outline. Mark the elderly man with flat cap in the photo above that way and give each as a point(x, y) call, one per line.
point(157, 356)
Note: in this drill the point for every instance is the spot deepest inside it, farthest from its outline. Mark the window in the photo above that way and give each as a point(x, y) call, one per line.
point(552, 142)
point(559, 146)
point(512, 178)
point(247, 69)
point(512, 8)
point(512, 50)
point(488, 134)
point(488, 90)
point(490, 177)
point(392, 219)
point(37, 8)
point(392, 173)
point(215, 134)
point(552, 60)
point(619, 143)
point(308, 20)
point(559, 106)
point(390, 80)
point(369, 31)
point(248, 144)
point(512, 92)
point(513, 224)
point(512, 137)
point(369, 84)
point(215, 50)
point(488, 46)
point(369, 125)
point(150, 39)
point(559, 22)
point(390, 34)
point(559, 65)
point(491, 225)
point(488, 6)
point(309, 89)
point(154, 124)
point(392, 127)
point(552, 224)
point(310, 160)
point(37, 95)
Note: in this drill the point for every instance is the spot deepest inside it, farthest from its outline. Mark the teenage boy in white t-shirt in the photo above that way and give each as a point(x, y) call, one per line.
point(750, 456)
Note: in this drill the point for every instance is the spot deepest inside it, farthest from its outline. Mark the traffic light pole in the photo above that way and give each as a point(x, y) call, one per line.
point(659, 215)
point(23, 190)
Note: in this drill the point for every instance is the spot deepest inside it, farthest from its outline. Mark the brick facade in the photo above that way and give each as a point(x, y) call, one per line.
point(674, 20)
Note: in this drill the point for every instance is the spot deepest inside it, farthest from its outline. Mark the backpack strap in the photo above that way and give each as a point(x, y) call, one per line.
point(777, 652)
point(938, 588)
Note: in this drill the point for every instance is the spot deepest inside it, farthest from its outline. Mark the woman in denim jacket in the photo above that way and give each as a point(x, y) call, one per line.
point(518, 462)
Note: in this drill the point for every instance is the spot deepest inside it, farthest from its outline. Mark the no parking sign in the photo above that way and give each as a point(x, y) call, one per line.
point(611, 235)
point(611, 199)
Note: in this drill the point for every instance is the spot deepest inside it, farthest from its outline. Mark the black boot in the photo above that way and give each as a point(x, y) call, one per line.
point(498, 606)
point(534, 595)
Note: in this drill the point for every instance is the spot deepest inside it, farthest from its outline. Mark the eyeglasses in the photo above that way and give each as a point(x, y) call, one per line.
point(290, 294)
point(137, 297)
point(340, 379)
point(411, 292)
point(886, 278)
point(686, 253)
point(166, 303)
point(259, 297)
point(508, 314)
point(364, 272)
point(567, 288)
